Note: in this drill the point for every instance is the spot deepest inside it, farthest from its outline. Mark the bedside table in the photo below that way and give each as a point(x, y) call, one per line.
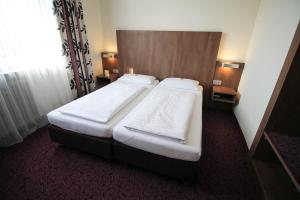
point(224, 97)
point(102, 81)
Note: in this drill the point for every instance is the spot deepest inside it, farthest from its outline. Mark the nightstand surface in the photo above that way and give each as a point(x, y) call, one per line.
point(102, 81)
point(224, 90)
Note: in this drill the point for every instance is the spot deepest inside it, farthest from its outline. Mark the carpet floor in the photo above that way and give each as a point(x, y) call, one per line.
point(40, 169)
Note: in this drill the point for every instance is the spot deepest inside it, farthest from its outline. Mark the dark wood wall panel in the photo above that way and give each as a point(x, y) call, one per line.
point(170, 54)
point(230, 77)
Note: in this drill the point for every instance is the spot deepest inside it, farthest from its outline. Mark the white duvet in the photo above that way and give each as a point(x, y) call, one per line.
point(164, 112)
point(101, 105)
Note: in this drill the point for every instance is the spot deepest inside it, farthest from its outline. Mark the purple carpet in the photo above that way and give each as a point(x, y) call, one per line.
point(39, 169)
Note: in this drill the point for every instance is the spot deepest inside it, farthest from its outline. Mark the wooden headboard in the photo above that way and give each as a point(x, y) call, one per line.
point(170, 54)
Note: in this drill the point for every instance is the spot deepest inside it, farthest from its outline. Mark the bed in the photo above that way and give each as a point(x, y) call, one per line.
point(163, 54)
point(76, 128)
point(161, 154)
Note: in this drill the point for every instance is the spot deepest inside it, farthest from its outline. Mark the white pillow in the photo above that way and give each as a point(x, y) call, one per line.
point(180, 83)
point(137, 78)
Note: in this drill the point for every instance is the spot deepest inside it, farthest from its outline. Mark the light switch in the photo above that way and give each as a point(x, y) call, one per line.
point(217, 82)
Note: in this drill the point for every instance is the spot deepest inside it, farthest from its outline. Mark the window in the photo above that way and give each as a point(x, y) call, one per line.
point(28, 36)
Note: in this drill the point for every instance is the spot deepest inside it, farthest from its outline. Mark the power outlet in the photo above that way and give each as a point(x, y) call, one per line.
point(217, 82)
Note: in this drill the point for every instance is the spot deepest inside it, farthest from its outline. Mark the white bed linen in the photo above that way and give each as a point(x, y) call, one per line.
point(190, 151)
point(92, 128)
point(103, 104)
point(165, 112)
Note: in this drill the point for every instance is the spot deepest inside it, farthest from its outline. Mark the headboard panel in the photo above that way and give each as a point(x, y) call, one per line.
point(170, 54)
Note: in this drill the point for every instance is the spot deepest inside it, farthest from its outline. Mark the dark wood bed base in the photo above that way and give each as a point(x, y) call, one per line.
point(113, 150)
point(99, 146)
point(186, 171)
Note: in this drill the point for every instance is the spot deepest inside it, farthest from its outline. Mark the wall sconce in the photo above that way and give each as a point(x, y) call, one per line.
point(108, 54)
point(229, 64)
point(130, 70)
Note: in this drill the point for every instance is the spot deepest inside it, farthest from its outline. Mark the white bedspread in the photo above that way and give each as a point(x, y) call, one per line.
point(103, 104)
point(165, 112)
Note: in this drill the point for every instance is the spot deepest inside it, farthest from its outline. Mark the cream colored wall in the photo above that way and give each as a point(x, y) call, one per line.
point(92, 20)
point(235, 18)
point(274, 30)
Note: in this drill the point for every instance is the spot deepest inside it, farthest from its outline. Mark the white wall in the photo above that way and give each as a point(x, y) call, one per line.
point(274, 29)
point(92, 20)
point(235, 18)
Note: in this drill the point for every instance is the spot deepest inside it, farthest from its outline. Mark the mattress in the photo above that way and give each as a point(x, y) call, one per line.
point(190, 151)
point(93, 128)
point(162, 113)
point(101, 105)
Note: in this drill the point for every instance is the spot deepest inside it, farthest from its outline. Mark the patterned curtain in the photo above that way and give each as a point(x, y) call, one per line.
point(75, 45)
